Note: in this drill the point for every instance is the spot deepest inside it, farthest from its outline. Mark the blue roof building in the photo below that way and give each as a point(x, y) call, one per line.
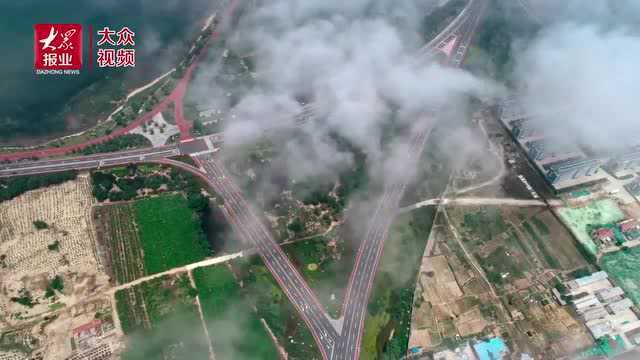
point(492, 349)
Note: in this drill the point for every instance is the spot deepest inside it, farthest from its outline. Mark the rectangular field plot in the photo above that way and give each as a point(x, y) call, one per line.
point(235, 329)
point(118, 235)
point(531, 237)
point(598, 212)
point(170, 233)
point(161, 320)
point(555, 244)
point(149, 236)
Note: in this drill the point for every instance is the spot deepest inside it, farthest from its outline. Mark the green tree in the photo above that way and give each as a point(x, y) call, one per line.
point(297, 226)
point(40, 225)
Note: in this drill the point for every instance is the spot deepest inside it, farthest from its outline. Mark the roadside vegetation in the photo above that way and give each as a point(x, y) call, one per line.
point(235, 329)
point(388, 318)
point(297, 207)
point(492, 53)
point(161, 320)
point(124, 142)
point(304, 213)
point(135, 181)
point(325, 264)
point(16, 186)
point(433, 170)
point(440, 17)
point(132, 108)
point(234, 79)
point(274, 307)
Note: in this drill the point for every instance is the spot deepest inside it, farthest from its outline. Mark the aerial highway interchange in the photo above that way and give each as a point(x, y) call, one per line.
point(336, 339)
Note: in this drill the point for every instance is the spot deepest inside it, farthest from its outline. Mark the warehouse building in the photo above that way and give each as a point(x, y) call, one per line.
point(562, 163)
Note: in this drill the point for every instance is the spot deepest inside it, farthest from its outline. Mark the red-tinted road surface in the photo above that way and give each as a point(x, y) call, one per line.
point(176, 96)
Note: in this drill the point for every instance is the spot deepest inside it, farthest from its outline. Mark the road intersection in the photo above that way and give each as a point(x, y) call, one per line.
point(336, 339)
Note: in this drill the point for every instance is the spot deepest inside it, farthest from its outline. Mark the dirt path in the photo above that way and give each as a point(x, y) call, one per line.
point(115, 316)
point(212, 355)
point(281, 351)
point(469, 257)
point(181, 269)
point(293, 241)
point(480, 201)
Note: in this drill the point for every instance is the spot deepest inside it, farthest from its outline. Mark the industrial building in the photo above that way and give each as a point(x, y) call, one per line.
point(525, 130)
point(563, 164)
point(573, 170)
point(625, 164)
point(547, 151)
point(604, 309)
point(511, 109)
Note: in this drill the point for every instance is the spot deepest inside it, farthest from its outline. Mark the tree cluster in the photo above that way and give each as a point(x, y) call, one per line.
point(16, 186)
point(124, 142)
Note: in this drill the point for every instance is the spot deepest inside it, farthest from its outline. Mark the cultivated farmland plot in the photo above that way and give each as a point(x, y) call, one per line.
point(149, 236)
point(161, 320)
point(118, 235)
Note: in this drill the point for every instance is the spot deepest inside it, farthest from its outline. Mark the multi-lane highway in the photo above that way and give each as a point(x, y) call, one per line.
point(87, 162)
point(252, 230)
point(336, 339)
point(368, 257)
point(203, 144)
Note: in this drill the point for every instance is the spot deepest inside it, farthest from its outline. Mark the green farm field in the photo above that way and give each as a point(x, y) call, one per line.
point(235, 329)
point(170, 233)
point(161, 321)
point(274, 307)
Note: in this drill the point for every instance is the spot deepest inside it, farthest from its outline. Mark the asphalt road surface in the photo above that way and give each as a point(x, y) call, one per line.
point(335, 339)
point(195, 146)
point(252, 230)
point(87, 162)
point(354, 310)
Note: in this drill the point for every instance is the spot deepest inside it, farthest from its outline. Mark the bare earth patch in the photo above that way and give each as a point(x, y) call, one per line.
point(63, 246)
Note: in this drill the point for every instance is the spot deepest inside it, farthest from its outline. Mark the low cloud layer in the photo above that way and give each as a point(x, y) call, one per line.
point(355, 60)
point(581, 73)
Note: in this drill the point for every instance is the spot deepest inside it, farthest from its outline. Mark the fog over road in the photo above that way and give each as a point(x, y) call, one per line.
point(339, 339)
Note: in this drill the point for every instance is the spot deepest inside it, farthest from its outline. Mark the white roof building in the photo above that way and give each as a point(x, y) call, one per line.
point(595, 313)
point(585, 303)
point(586, 280)
point(609, 294)
point(599, 328)
point(620, 305)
